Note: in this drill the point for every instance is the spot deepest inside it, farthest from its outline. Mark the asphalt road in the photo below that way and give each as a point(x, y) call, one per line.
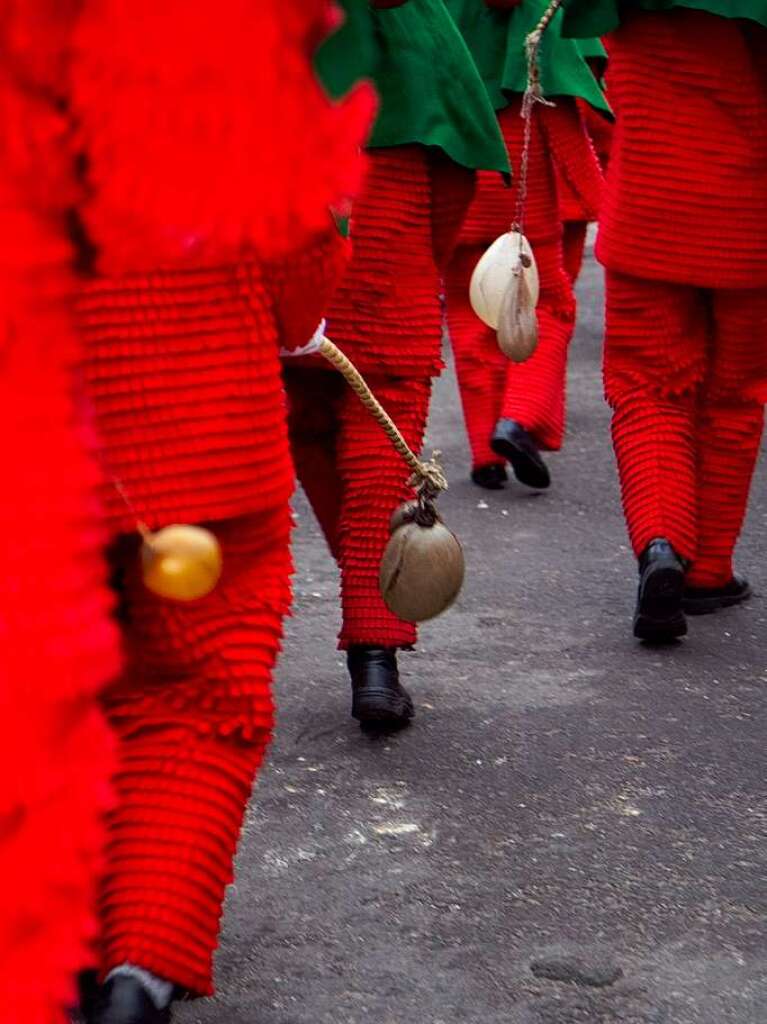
point(574, 831)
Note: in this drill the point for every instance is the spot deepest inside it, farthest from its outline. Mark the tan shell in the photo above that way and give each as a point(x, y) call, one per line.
point(492, 273)
point(401, 514)
point(518, 324)
point(422, 571)
point(182, 563)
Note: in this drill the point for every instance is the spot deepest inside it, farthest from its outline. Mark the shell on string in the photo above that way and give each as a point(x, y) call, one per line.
point(492, 274)
point(517, 321)
point(182, 563)
point(423, 567)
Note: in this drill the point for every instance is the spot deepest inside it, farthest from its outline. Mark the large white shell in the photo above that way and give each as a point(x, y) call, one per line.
point(492, 274)
point(517, 324)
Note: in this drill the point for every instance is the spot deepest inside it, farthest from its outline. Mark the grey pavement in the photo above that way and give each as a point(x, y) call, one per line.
point(574, 831)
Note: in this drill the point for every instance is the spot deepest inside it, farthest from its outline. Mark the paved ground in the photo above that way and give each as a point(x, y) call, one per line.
point(564, 793)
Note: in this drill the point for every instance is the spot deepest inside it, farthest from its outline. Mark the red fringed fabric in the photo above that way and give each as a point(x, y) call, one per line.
point(207, 131)
point(686, 197)
point(480, 365)
point(533, 393)
point(57, 647)
point(183, 373)
point(354, 480)
point(194, 715)
point(687, 383)
point(386, 313)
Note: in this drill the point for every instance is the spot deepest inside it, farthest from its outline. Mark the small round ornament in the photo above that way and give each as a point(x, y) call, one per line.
point(423, 567)
point(493, 272)
point(180, 562)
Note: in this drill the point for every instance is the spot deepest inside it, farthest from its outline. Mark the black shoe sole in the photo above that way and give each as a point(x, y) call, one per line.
point(709, 605)
point(526, 469)
point(496, 484)
point(382, 710)
point(659, 616)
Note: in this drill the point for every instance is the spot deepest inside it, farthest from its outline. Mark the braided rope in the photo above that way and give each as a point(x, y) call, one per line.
point(429, 476)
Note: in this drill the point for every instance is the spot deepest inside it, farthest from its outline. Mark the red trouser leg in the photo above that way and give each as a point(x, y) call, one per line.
point(729, 429)
point(655, 350)
point(314, 396)
point(536, 390)
point(573, 245)
point(375, 481)
point(480, 365)
point(193, 715)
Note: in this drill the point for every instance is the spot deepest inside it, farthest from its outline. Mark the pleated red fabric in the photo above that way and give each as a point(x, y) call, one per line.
point(687, 194)
point(354, 480)
point(573, 246)
point(481, 367)
point(386, 314)
point(194, 714)
point(686, 376)
point(183, 373)
point(532, 393)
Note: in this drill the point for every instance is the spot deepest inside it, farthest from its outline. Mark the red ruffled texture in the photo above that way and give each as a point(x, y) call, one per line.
point(57, 646)
point(206, 130)
point(686, 197)
point(687, 381)
point(386, 313)
point(354, 480)
point(194, 715)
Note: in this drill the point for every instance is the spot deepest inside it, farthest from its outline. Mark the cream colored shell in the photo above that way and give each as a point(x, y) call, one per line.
point(491, 276)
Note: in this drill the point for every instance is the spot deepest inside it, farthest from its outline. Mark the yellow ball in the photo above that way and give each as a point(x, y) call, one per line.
point(182, 563)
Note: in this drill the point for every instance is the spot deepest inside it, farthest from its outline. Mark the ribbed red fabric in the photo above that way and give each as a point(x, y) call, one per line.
point(687, 380)
point(686, 197)
point(480, 366)
point(386, 314)
point(193, 713)
point(354, 480)
point(183, 373)
point(532, 393)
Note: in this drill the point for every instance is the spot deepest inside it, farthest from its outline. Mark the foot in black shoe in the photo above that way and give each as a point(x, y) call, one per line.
point(511, 440)
point(379, 701)
point(659, 617)
point(704, 600)
point(492, 477)
point(124, 1000)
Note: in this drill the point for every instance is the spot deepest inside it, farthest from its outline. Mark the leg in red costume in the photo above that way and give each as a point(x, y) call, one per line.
point(729, 429)
point(480, 365)
point(687, 380)
point(194, 716)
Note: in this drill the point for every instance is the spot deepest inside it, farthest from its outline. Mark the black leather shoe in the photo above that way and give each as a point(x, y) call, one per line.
point(492, 476)
point(704, 600)
point(511, 440)
point(124, 1000)
point(659, 617)
point(379, 701)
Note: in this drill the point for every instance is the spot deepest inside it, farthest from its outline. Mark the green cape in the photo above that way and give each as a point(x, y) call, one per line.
point(497, 43)
point(597, 17)
point(429, 89)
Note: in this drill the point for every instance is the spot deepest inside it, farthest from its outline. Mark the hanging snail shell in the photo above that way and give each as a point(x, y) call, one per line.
point(423, 566)
point(182, 563)
point(517, 322)
point(491, 276)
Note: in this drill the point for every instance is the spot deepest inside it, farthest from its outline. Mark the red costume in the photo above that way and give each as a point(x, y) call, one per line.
point(212, 158)
point(533, 393)
point(683, 239)
point(57, 646)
